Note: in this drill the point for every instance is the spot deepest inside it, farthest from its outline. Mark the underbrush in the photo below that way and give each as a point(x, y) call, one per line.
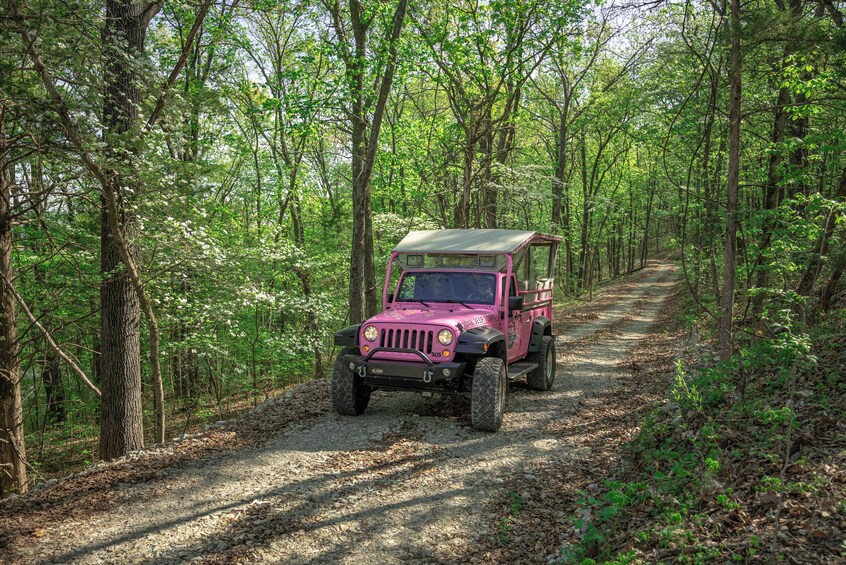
point(71, 446)
point(745, 462)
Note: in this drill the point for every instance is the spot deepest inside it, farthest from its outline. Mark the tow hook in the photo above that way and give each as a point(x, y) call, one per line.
point(362, 371)
point(427, 376)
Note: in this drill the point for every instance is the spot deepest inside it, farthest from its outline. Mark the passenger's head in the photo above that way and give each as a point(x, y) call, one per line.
point(485, 286)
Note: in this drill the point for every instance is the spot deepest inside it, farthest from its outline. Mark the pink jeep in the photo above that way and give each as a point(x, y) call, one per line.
point(471, 311)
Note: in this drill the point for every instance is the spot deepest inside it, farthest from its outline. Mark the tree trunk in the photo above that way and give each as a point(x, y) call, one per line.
point(812, 271)
point(504, 146)
point(583, 251)
point(772, 198)
point(54, 387)
point(558, 186)
point(51, 373)
point(729, 256)
point(487, 199)
point(12, 448)
point(121, 425)
point(361, 277)
point(711, 205)
point(798, 126)
point(462, 203)
point(618, 250)
point(644, 248)
point(364, 146)
point(561, 196)
point(831, 287)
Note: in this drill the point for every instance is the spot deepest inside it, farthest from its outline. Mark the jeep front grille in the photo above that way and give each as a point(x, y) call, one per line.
point(407, 339)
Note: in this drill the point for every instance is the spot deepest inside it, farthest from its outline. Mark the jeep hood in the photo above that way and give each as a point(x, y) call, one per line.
point(438, 317)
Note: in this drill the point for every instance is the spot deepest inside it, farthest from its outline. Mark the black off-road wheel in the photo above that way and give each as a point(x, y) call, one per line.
point(487, 401)
point(543, 377)
point(349, 395)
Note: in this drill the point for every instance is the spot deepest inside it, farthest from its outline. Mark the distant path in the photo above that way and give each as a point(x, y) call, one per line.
point(408, 481)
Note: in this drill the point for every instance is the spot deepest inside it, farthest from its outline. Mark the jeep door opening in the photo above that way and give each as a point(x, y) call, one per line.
point(471, 311)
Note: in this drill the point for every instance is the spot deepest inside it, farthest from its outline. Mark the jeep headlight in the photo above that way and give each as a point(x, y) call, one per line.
point(445, 337)
point(371, 333)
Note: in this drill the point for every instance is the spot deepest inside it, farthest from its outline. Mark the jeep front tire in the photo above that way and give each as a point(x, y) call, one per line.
point(487, 400)
point(349, 395)
point(543, 376)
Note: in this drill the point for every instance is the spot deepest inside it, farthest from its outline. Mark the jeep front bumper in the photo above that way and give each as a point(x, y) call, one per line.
point(402, 375)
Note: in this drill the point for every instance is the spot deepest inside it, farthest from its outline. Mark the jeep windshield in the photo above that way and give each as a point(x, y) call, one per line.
point(447, 286)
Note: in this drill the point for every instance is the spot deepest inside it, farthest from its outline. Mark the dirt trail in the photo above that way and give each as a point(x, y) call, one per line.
point(409, 481)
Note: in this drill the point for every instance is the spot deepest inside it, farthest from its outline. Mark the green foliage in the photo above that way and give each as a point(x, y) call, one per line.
point(515, 505)
point(685, 393)
point(713, 454)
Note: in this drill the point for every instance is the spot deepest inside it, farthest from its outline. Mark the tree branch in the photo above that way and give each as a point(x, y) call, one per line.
point(49, 338)
point(180, 64)
point(835, 14)
point(385, 89)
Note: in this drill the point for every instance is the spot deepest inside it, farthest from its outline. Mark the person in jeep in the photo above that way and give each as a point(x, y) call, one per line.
point(442, 288)
point(482, 291)
point(471, 311)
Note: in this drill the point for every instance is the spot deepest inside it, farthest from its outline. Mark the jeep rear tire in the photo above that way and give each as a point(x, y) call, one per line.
point(543, 376)
point(349, 395)
point(487, 401)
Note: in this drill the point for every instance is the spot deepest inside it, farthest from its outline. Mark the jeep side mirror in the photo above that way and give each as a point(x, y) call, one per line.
point(515, 303)
point(390, 298)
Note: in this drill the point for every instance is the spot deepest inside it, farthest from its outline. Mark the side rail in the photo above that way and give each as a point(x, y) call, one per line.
point(537, 297)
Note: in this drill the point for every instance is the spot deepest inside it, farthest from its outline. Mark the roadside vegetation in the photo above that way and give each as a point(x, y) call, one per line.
point(743, 461)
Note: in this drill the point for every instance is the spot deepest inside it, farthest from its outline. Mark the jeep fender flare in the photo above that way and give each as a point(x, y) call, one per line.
point(541, 326)
point(348, 337)
point(481, 340)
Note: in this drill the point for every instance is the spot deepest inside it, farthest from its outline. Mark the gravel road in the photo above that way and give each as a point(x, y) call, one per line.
point(409, 481)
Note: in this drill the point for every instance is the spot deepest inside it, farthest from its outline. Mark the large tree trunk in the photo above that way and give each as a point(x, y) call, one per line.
point(735, 82)
point(121, 425)
point(364, 146)
point(12, 450)
point(362, 277)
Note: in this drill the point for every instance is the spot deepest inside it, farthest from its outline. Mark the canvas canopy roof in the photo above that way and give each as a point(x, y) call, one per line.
point(468, 241)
